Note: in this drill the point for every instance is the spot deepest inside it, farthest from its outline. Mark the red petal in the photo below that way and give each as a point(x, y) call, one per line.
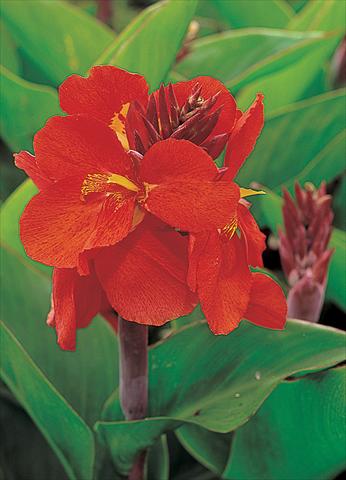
point(57, 225)
point(244, 136)
point(27, 162)
point(75, 302)
point(267, 307)
point(102, 93)
point(183, 190)
point(254, 238)
point(223, 282)
point(78, 145)
point(144, 276)
point(210, 86)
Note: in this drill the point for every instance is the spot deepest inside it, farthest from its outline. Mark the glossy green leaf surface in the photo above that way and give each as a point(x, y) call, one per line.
point(238, 57)
point(259, 13)
point(242, 373)
point(72, 38)
point(211, 449)
point(298, 433)
point(151, 42)
point(296, 145)
point(320, 15)
point(25, 107)
point(66, 432)
point(9, 55)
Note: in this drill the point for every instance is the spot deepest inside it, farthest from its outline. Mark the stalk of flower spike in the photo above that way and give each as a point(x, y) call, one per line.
point(133, 353)
point(303, 249)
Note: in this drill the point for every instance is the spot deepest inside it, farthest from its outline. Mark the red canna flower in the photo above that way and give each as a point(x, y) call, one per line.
point(219, 259)
point(119, 178)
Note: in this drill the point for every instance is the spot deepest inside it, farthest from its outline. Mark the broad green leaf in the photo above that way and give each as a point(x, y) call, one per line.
point(268, 213)
point(25, 107)
point(158, 461)
point(239, 57)
point(57, 37)
point(297, 5)
point(303, 142)
point(26, 288)
point(261, 60)
point(320, 15)
point(151, 42)
point(293, 82)
point(8, 50)
point(226, 383)
point(211, 449)
point(255, 13)
point(64, 430)
point(298, 433)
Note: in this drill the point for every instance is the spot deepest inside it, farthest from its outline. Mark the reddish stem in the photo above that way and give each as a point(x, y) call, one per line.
point(133, 352)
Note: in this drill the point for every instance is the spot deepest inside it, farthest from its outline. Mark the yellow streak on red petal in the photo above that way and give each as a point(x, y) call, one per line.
point(230, 228)
point(118, 125)
point(100, 183)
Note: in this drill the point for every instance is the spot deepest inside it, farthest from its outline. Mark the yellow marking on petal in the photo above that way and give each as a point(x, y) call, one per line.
point(118, 125)
point(99, 182)
point(246, 192)
point(230, 228)
point(123, 182)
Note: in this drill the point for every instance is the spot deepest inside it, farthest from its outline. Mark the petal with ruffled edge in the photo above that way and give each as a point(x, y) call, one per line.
point(27, 162)
point(105, 94)
point(267, 306)
point(223, 280)
point(244, 136)
point(254, 238)
point(210, 87)
point(57, 225)
point(144, 276)
point(182, 187)
point(78, 145)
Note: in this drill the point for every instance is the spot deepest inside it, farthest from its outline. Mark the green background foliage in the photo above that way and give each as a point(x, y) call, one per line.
point(236, 403)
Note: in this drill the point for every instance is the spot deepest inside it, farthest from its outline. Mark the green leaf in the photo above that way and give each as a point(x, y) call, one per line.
point(151, 42)
point(268, 213)
point(336, 289)
point(320, 15)
point(258, 13)
point(296, 145)
point(261, 60)
point(64, 430)
point(211, 449)
point(158, 460)
point(239, 57)
point(9, 54)
point(57, 37)
point(226, 383)
point(25, 107)
point(292, 82)
point(26, 287)
point(298, 433)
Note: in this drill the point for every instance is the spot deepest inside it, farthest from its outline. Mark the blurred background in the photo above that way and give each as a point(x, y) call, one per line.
point(294, 51)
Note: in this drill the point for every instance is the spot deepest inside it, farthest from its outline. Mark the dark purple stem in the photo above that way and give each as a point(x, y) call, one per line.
point(133, 339)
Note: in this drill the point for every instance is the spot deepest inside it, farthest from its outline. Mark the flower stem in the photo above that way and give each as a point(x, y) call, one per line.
point(133, 352)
